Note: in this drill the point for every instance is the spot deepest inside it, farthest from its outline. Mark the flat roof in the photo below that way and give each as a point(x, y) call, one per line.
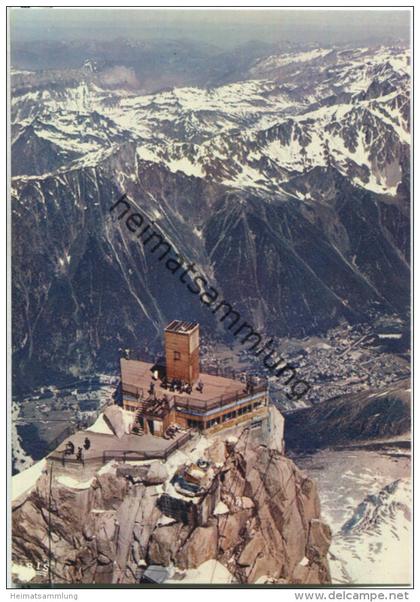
point(181, 327)
point(137, 375)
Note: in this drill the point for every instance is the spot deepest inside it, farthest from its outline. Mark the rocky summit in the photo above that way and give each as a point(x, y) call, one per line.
point(258, 520)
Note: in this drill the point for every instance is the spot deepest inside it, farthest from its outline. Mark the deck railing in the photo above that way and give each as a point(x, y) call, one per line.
point(161, 454)
point(124, 454)
point(202, 406)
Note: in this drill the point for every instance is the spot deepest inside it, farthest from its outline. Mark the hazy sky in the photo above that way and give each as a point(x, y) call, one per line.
point(220, 27)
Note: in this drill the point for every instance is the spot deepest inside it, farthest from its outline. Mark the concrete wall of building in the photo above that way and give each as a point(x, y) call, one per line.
point(271, 431)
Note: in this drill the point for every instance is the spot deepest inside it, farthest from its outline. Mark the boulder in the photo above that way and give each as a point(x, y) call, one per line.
point(275, 430)
point(245, 502)
point(137, 553)
point(88, 533)
point(216, 452)
point(230, 444)
point(102, 559)
point(156, 475)
point(230, 526)
point(200, 546)
point(251, 551)
point(135, 474)
point(110, 492)
point(113, 416)
point(147, 517)
point(319, 539)
point(164, 544)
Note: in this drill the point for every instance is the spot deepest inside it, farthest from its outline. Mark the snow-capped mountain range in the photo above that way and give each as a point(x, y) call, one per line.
point(352, 112)
point(366, 499)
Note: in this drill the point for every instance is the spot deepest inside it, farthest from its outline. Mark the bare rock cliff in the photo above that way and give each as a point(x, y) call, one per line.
point(263, 525)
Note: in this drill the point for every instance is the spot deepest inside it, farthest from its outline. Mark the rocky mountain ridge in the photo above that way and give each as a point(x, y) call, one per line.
point(265, 524)
point(353, 420)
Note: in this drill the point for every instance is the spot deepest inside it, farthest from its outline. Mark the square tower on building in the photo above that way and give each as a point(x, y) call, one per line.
point(182, 351)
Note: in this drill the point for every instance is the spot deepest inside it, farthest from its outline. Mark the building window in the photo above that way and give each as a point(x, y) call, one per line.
point(195, 424)
point(212, 422)
point(228, 416)
point(177, 355)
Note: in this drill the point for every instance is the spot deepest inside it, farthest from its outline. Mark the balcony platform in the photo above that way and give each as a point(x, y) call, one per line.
point(106, 447)
point(218, 391)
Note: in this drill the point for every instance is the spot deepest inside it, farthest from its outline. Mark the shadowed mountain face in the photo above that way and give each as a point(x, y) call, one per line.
point(351, 419)
point(288, 189)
